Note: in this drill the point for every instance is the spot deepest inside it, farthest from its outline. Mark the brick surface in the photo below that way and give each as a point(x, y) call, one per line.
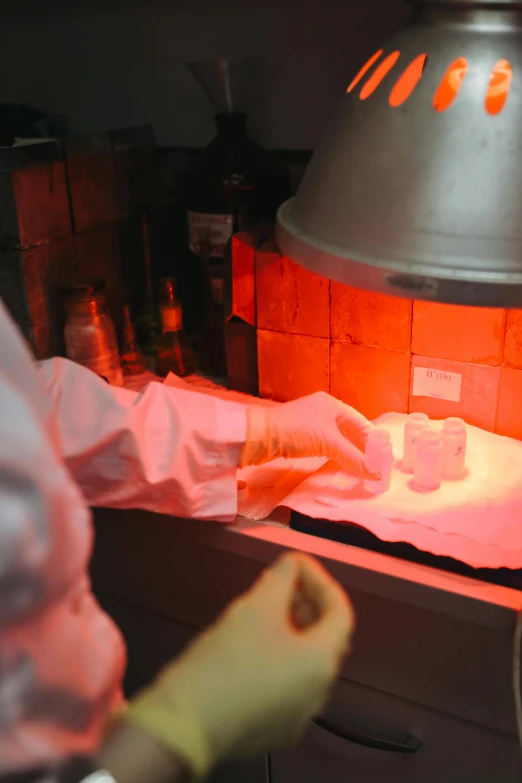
point(513, 346)
point(92, 181)
point(289, 298)
point(240, 274)
point(509, 408)
point(467, 334)
point(373, 380)
point(366, 318)
point(291, 365)
point(479, 392)
point(98, 254)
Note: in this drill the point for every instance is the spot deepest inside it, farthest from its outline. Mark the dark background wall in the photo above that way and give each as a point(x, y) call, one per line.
point(111, 64)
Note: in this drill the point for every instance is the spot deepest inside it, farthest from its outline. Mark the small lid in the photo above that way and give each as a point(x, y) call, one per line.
point(418, 417)
point(454, 424)
point(428, 437)
point(84, 290)
point(378, 436)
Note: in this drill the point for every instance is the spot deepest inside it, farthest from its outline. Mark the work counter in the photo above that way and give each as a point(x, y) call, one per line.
point(432, 658)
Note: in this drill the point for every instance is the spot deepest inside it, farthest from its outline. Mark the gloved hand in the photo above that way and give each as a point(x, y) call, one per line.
point(254, 679)
point(314, 426)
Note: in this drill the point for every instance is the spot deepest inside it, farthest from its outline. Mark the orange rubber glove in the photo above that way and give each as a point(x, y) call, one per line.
point(314, 426)
point(254, 679)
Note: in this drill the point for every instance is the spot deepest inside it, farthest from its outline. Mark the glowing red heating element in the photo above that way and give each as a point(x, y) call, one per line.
point(499, 85)
point(450, 85)
point(408, 80)
point(448, 89)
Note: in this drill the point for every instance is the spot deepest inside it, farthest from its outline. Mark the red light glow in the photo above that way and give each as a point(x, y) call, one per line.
point(378, 75)
point(364, 70)
point(499, 85)
point(407, 81)
point(450, 85)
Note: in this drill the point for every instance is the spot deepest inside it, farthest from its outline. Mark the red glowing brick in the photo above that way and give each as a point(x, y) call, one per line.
point(513, 347)
point(478, 393)
point(290, 298)
point(240, 288)
point(465, 334)
point(291, 365)
point(365, 318)
point(509, 409)
point(372, 380)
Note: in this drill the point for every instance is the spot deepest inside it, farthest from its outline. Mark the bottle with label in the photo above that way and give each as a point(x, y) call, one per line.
point(90, 336)
point(132, 360)
point(174, 352)
point(414, 424)
point(234, 182)
point(454, 442)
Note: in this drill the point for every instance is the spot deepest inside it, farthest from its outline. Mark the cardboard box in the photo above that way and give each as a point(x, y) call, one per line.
point(92, 181)
point(138, 178)
point(30, 283)
point(34, 199)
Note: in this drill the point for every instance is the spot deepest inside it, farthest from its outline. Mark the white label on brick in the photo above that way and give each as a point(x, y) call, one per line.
point(436, 383)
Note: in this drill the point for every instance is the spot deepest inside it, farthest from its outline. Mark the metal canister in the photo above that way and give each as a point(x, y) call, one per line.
point(90, 336)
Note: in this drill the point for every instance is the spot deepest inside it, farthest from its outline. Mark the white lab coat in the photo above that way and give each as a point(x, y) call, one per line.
point(69, 440)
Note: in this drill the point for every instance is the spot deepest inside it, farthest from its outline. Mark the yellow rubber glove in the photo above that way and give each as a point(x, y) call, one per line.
point(254, 679)
point(314, 426)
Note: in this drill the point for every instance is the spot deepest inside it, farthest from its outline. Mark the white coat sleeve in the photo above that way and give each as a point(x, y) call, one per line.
point(165, 449)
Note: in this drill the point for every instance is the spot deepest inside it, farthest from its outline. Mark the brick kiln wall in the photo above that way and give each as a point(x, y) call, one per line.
point(313, 334)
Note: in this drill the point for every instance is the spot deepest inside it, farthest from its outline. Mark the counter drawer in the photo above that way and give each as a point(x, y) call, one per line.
point(430, 747)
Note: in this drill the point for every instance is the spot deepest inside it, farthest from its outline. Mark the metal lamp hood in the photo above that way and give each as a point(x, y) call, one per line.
point(416, 187)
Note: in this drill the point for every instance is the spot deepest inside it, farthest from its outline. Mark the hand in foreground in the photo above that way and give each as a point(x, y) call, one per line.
point(314, 426)
point(254, 679)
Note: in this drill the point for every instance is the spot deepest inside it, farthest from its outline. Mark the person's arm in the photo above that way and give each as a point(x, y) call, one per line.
point(248, 684)
point(131, 756)
point(165, 450)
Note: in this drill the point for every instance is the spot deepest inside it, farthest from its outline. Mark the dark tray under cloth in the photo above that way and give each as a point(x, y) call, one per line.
point(354, 535)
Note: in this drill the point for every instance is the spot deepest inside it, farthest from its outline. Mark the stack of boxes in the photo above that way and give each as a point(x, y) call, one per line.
point(70, 211)
point(367, 349)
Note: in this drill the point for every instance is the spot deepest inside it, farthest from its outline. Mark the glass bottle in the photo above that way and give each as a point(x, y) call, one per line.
point(90, 336)
point(148, 323)
point(234, 183)
point(132, 360)
point(174, 352)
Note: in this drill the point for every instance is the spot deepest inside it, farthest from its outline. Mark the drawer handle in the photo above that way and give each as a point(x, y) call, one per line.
point(410, 744)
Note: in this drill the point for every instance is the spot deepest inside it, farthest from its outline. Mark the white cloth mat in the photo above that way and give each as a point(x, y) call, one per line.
point(477, 520)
